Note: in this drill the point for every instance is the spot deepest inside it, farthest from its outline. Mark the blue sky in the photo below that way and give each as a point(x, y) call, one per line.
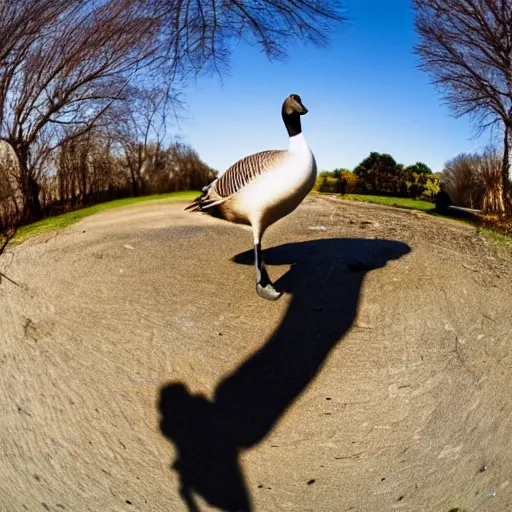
point(364, 93)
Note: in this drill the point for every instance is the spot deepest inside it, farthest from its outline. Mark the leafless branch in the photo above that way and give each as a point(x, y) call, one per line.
point(198, 34)
point(466, 47)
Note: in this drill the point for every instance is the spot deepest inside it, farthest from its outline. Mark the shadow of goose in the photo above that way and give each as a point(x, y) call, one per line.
point(324, 280)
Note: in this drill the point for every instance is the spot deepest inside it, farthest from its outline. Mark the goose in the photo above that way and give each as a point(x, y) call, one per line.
point(262, 188)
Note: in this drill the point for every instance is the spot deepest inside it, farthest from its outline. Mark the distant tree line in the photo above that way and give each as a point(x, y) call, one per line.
point(339, 181)
point(380, 174)
point(98, 167)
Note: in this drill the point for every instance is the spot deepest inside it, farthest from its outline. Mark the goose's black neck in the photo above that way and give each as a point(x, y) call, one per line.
point(292, 122)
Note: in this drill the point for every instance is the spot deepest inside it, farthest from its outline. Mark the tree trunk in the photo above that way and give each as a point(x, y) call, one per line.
point(28, 185)
point(73, 188)
point(83, 177)
point(135, 185)
point(32, 196)
point(507, 145)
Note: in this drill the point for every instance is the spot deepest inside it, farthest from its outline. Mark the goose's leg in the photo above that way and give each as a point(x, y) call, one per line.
point(264, 287)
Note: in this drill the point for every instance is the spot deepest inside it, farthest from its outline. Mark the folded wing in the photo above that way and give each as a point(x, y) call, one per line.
point(236, 177)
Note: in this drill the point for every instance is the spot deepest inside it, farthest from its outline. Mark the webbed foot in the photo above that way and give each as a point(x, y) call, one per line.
point(267, 292)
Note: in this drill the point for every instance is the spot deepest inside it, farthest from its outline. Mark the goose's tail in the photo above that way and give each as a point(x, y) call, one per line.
point(198, 203)
point(207, 200)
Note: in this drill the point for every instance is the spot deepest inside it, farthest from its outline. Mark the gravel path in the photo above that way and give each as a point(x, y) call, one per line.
point(380, 381)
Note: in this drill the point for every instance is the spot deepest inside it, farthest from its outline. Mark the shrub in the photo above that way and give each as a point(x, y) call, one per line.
point(339, 181)
point(474, 181)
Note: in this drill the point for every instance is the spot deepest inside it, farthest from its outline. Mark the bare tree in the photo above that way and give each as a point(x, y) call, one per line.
point(68, 74)
point(466, 45)
point(9, 197)
point(490, 166)
point(199, 35)
point(474, 180)
point(65, 63)
point(186, 170)
point(72, 176)
point(9, 206)
point(462, 179)
point(88, 170)
point(139, 123)
point(22, 22)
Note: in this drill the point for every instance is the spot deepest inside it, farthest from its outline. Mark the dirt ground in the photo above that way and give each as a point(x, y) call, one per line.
point(380, 381)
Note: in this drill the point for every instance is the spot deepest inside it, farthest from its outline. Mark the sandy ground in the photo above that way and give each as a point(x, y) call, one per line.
point(380, 381)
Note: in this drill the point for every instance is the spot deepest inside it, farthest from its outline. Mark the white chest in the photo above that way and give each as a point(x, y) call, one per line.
point(288, 183)
point(300, 169)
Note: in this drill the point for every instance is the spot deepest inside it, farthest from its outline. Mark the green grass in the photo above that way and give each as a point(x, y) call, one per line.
point(405, 203)
point(399, 202)
point(66, 219)
point(502, 243)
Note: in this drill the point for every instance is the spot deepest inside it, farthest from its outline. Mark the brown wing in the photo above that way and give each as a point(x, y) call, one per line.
point(245, 170)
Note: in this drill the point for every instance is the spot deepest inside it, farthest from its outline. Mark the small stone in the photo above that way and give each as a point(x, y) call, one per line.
point(312, 481)
point(129, 502)
point(363, 325)
point(483, 468)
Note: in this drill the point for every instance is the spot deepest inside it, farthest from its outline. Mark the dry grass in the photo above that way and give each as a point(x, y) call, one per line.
point(496, 223)
point(498, 230)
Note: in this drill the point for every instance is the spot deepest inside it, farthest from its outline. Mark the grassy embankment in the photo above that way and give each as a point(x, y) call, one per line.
point(66, 219)
point(503, 242)
point(400, 202)
point(497, 232)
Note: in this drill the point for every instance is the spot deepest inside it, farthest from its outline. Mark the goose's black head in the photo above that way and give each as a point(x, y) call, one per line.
point(291, 112)
point(293, 105)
